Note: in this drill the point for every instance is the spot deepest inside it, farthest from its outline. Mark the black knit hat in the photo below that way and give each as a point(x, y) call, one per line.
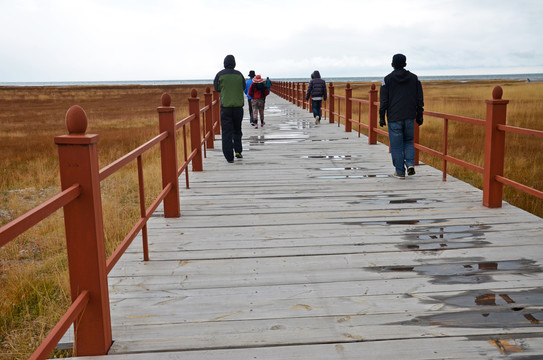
point(252, 73)
point(399, 61)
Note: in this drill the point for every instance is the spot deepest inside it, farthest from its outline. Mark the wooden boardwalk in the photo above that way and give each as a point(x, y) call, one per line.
point(308, 249)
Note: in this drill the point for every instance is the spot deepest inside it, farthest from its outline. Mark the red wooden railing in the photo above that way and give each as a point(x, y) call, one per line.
point(495, 130)
point(80, 199)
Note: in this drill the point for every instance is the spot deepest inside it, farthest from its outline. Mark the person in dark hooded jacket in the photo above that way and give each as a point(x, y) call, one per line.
point(402, 101)
point(231, 84)
point(317, 91)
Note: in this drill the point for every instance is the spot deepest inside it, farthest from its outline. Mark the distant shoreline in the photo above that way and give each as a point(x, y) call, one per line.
point(537, 77)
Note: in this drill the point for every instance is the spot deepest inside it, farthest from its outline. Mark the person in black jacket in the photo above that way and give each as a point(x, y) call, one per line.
point(403, 103)
point(317, 91)
point(231, 84)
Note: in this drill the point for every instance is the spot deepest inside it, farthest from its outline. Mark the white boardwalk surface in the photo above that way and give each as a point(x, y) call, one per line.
point(308, 248)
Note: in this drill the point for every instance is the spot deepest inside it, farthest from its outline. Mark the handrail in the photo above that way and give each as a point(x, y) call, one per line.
point(495, 130)
point(519, 130)
point(126, 159)
point(24, 222)
point(87, 210)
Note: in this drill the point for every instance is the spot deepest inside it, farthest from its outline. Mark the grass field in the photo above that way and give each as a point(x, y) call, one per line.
point(33, 268)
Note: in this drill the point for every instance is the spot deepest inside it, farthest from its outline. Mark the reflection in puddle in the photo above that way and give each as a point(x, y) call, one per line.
point(383, 200)
point(340, 168)
point(466, 273)
point(439, 246)
point(447, 232)
point(394, 222)
point(332, 157)
point(351, 176)
point(276, 138)
point(489, 309)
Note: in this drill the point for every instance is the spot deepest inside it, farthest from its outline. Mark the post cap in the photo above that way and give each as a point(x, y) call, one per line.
point(497, 93)
point(372, 86)
point(208, 90)
point(166, 99)
point(193, 93)
point(76, 120)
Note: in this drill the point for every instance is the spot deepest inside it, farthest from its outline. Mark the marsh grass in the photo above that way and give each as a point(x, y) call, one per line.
point(34, 277)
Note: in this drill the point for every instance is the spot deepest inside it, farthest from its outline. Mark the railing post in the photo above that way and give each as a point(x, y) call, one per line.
point(496, 110)
point(195, 131)
point(332, 102)
point(217, 112)
point(168, 156)
point(348, 108)
point(304, 102)
point(372, 116)
point(78, 163)
point(209, 118)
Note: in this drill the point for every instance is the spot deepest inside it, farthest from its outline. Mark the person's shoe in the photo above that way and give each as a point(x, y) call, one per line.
point(239, 156)
point(399, 176)
point(230, 161)
point(410, 170)
point(256, 126)
point(263, 123)
point(318, 119)
point(252, 123)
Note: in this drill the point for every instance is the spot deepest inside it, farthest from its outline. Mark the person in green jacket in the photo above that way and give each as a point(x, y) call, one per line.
point(231, 84)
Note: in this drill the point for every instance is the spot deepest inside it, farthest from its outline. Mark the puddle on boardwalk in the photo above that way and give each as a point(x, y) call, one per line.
point(394, 222)
point(465, 273)
point(450, 232)
point(392, 199)
point(340, 168)
point(331, 157)
point(351, 176)
point(276, 138)
point(488, 309)
point(440, 246)
point(327, 140)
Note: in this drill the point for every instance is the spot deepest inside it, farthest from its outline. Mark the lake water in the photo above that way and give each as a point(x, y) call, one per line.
point(464, 78)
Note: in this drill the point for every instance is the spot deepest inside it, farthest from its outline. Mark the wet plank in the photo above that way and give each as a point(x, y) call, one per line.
point(308, 249)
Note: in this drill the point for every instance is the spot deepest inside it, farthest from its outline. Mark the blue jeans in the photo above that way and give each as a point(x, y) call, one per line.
point(402, 149)
point(316, 107)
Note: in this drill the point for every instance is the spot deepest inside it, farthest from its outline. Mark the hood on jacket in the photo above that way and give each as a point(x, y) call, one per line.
point(316, 74)
point(401, 75)
point(229, 62)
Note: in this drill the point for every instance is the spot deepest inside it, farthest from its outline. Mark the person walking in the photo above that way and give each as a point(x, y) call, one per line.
point(402, 101)
point(231, 84)
point(317, 91)
point(258, 92)
point(247, 86)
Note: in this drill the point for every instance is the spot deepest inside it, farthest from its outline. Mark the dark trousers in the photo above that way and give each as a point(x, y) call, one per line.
point(231, 131)
point(250, 102)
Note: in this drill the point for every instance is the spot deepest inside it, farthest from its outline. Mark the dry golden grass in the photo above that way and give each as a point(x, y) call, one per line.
point(34, 277)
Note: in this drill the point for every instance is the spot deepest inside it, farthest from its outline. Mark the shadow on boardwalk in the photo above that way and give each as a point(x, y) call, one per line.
point(308, 249)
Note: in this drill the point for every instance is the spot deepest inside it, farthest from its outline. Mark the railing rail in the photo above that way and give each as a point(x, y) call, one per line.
point(81, 201)
point(340, 108)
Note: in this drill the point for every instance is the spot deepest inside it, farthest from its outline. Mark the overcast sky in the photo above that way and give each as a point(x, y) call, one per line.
point(118, 40)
